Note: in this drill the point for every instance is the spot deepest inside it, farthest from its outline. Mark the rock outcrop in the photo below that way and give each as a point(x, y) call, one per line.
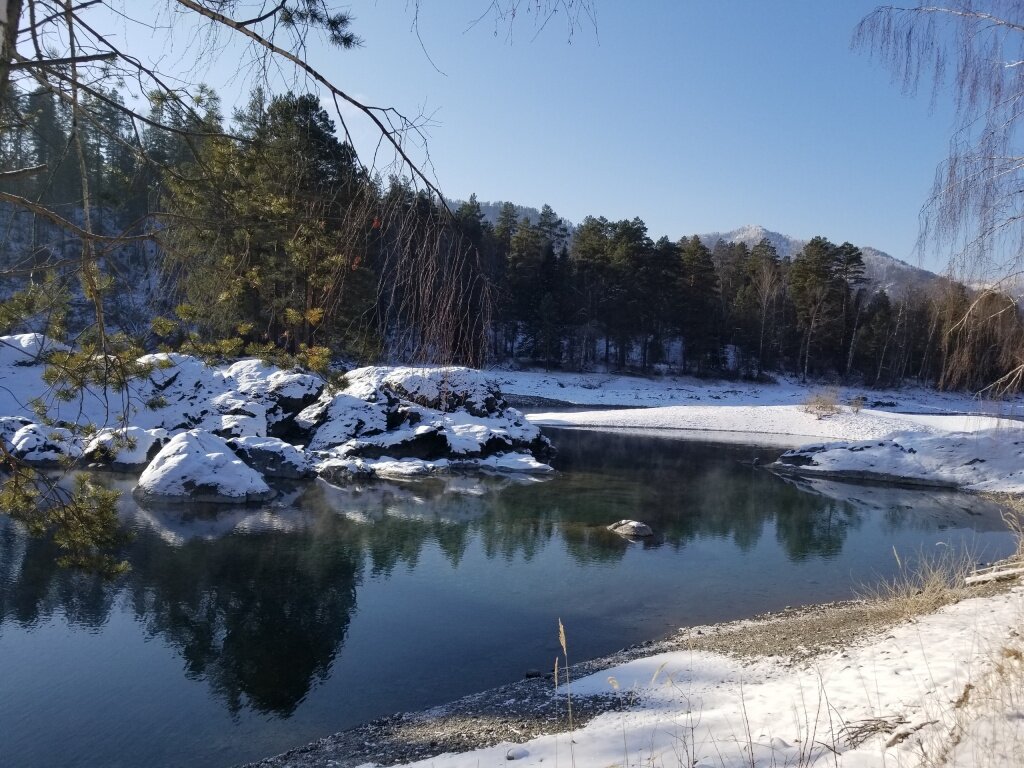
point(218, 433)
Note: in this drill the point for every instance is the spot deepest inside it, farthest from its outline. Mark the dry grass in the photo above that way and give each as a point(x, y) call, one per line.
point(987, 728)
point(922, 586)
point(1013, 516)
point(823, 403)
point(982, 726)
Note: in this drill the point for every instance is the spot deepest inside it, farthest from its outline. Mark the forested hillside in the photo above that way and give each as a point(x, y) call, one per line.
point(259, 233)
point(271, 237)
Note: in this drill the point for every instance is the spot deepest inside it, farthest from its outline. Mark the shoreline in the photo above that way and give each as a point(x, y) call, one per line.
point(518, 712)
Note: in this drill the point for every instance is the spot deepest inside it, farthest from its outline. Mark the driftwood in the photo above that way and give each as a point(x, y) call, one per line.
point(996, 572)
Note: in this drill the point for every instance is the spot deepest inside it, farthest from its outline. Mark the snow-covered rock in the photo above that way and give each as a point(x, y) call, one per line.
point(342, 471)
point(341, 418)
point(178, 394)
point(285, 393)
point(404, 469)
point(445, 389)
point(9, 425)
point(234, 415)
point(38, 443)
point(423, 442)
point(199, 466)
point(280, 423)
point(272, 457)
point(254, 377)
point(516, 463)
point(26, 348)
point(125, 448)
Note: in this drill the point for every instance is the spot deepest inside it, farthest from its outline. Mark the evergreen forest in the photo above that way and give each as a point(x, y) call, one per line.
point(262, 233)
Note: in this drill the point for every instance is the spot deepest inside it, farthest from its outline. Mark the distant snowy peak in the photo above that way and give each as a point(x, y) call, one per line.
point(881, 269)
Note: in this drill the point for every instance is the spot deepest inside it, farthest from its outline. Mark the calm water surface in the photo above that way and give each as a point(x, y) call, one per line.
point(240, 633)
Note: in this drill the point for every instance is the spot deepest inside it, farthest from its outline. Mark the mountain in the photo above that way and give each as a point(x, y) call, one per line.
point(895, 275)
point(882, 270)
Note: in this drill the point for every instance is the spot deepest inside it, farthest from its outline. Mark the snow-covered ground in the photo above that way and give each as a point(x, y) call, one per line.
point(783, 425)
point(983, 460)
point(949, 684)
point(771, 414)
point(609, 390)
point(913, 434)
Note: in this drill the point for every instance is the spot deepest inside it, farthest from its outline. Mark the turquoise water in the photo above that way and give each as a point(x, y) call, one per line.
point(240, 633)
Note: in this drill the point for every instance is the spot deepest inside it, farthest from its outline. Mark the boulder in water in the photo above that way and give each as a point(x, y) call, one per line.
point(631, 529)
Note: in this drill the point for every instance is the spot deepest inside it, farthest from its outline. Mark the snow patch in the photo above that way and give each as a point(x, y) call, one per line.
point(987, 460)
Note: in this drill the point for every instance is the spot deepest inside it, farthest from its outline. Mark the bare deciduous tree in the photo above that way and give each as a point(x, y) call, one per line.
point(767, 283)
point(972, 52)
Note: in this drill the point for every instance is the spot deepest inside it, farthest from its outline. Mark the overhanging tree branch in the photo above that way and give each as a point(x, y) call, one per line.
point(55, 218)
point(64, 61)
point(22, 173)
point(377, 115)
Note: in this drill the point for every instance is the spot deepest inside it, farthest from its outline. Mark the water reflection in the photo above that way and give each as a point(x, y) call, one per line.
point(259, 602)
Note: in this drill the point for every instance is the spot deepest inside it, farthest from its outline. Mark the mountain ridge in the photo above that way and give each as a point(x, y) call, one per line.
point(881, 269)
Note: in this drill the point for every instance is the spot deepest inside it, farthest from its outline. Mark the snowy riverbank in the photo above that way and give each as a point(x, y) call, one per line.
point(943, 688)
point(854, 684)
point(910, 435)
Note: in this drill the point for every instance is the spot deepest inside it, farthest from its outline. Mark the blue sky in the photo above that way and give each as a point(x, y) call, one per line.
point(694, 116)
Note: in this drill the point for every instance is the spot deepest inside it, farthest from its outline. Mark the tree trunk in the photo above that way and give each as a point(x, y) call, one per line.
point(807, 349)
point(760, 342)
point(853, 340)
point(10, 18)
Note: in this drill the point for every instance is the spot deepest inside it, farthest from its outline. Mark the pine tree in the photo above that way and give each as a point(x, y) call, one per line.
point(699, 310)
point(280, 263)
point(764, 281)
point(849, 272)
point(629, 249)
point(590, 287)
point(552, 228)
point(813, 287)
point(61, 184)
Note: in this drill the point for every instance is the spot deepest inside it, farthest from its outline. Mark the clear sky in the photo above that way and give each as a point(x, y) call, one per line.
point(693, 116)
